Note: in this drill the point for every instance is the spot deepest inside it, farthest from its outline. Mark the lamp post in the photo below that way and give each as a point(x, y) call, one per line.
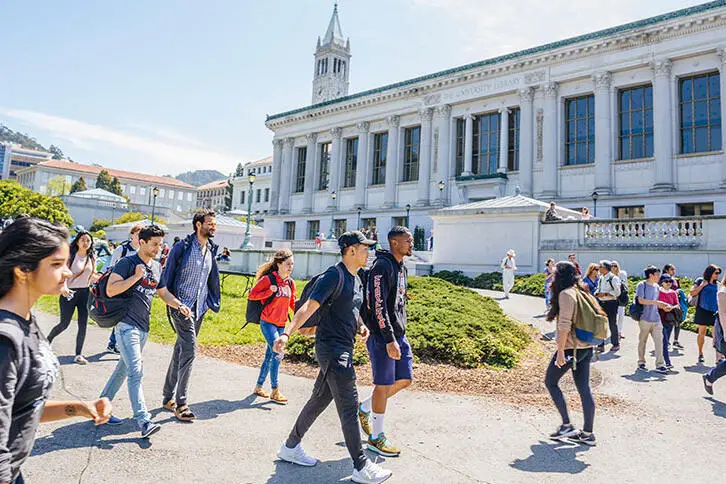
point(247, 244)
point(442, 185)
point(357, 226)
point(332, 236)
point(155, 192)
point(408, 212)
point(595, 196)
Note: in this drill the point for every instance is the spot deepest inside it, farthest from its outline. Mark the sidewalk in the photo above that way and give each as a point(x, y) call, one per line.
point(666, 436)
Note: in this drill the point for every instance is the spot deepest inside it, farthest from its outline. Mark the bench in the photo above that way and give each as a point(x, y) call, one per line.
point(224, 273)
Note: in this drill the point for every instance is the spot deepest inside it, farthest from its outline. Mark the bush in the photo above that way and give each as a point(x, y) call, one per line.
point(302, 348)
point(532, 285)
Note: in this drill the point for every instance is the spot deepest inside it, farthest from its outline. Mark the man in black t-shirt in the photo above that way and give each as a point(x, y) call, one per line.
point(339, 322)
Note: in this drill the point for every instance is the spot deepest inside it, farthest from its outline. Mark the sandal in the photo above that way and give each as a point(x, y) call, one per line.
point(170, 405)
point(260, 392)
point(184, 413)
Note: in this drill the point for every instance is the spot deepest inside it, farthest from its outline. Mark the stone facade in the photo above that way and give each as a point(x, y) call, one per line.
point(260, 192)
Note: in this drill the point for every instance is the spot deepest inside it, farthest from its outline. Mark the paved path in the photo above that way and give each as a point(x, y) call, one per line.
point(665, 436)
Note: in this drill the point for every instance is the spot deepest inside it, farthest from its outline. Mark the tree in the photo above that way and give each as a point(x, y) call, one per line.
point(99, 224)
point(240, 171)
point(16, 200)
point(116, 187)
point(79, 186)
point(58, 185)
point(136, 217)
point(56, 152)
point(104, 180)
point(229, 191)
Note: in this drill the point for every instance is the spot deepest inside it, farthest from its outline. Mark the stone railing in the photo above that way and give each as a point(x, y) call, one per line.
point(666, 232)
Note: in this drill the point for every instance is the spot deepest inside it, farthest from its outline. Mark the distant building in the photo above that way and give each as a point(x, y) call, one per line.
point(14, 157)
point(212, 195)
point(174, 195)
point(260, 193)
point(84, 206)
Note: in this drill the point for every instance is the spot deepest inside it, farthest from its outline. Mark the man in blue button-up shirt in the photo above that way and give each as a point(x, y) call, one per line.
point(192, 277)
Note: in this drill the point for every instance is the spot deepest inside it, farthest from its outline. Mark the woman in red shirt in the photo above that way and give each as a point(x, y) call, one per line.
point(667, 295)
point(279, 299)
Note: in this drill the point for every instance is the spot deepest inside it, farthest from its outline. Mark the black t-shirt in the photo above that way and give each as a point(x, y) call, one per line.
point(142, 293)
point(339, 322)
point(21, 408)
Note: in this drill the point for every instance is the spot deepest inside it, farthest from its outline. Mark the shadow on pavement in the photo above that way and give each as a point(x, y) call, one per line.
point(554, 457)
point(213, 408)
point(328, 471)
point(641, 376)
point(98, 357)
point(699, 368)
point(83, 435)
point(609, 356)
point(718, 407)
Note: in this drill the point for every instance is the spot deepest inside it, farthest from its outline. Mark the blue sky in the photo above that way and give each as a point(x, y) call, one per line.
point(166, 86)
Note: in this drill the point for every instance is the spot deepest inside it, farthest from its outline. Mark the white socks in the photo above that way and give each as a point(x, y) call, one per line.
point(365, 405)
point(377, 421)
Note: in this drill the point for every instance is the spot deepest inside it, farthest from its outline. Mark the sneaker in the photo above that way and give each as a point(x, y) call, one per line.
point(676, 344)
point(669, 366)
point(113, 349)
point(81, 360)
point(278, 397)
point(115, 420)
point(149, 428)
point(700, 359)
point(296, 456)
point(614, 349)
point(381, 446)
point(642, 367)
point(371, 474)
point(564, 432)
point(661, 369)
point(707, 385)
point(365, 421)
point(586, 439)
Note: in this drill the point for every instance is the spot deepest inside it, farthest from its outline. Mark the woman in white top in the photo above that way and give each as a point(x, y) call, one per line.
point(623, 276)
point(82, 263)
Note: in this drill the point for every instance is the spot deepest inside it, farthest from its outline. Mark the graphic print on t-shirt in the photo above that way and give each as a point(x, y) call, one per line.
point(47, 366)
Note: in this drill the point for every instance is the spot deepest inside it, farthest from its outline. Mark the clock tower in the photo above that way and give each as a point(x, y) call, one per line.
point(332, 63)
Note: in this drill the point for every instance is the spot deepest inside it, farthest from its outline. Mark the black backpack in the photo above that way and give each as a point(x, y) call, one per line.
point(314, 319)
point(107, 311)
point(254, 308)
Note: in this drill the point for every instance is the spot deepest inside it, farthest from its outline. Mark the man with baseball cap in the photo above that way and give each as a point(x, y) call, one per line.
point(340, 321)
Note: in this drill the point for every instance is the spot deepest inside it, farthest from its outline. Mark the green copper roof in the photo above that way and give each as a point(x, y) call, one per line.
point(705, 7)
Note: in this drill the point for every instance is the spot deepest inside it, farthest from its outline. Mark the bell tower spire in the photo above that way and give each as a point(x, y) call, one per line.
point(332, 62)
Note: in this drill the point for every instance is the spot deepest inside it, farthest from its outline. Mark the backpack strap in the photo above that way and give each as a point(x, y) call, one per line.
point(338, 286)
point(273, 282)
point(16, 336)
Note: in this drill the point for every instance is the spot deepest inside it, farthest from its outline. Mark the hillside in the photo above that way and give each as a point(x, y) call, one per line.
point(8, 135)
point(198, 178)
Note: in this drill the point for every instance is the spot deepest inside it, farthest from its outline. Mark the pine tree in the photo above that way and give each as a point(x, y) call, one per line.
point(79, 186)
point(116, 187)
point(104, 181)
point(240, 171)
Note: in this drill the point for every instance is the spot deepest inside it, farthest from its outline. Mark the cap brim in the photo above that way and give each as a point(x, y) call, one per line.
point(368, 242)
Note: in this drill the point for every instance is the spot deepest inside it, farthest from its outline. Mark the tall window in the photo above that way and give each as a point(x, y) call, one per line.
point(267, 194)
point(636, 123)
point(460, 131)
point(580, 127)
point(485, 155)
point(289, 230)
point(700, 99)
point(259, 195)
point(324, 166)
point(513, 150)
point(634, 211)
point(351, 162)
point(695, 209)
point(302, 154)
point(411, 148)
point(341, 227)
point(380, 145)
point(242, 198)
point(313, 229)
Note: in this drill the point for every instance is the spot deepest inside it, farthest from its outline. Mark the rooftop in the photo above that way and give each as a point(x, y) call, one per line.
point(213, 185)
point(99, 194)
point(510, 203)
point(264, 161)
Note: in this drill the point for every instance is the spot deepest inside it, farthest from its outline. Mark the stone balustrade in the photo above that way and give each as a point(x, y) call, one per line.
point(665, 233)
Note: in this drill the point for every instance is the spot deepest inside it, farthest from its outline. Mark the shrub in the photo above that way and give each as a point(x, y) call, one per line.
point(302, 348)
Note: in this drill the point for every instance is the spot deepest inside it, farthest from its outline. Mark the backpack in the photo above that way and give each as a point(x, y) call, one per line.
point(718, 342)
point(693, 300)
point(108, 311)
point(683, 301)
point(623, 297)
point(590, 323)
point(308, 329)
point(16, 336)
point(254, 308)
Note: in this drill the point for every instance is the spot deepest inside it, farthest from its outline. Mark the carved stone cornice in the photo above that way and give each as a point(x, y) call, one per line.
point(444, 111)
point(427, 114)
point(311, 138)
point(289, 142)
point(336, 133)
point(277, 144)
point(661, 67)
point(363, 127)
point(526, 95)
point(394, 121)
point(602, 80)
point(551, 89)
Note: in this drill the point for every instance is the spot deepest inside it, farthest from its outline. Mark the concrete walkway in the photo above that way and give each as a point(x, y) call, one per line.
point(670, 433)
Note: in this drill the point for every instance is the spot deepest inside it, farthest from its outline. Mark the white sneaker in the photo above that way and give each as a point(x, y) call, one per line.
point(296, 456)
point(371, 474)
point(81, 360)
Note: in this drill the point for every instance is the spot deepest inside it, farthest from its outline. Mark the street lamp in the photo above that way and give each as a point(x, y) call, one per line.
point(408, 212)
point(333, 195)
point(357, 226)
point(442, 185)
point(247, 244)
point(595, 196)
point(155, 192)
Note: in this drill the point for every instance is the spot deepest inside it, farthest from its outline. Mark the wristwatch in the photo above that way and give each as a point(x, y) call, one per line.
point(285, 333)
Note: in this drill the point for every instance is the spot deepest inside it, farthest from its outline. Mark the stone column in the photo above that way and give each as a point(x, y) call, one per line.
point(334, 165)
point(468, 144)
point(286, 176)
point(549, 141)
point(311, 158)
point(362, 165)
point(503, 140)
point(444, 124)
point(722, 54)
point(526, 141)
point(424, 158)
point(662, 126)
point(389, 194)
point(603, 133)
point(276, 177)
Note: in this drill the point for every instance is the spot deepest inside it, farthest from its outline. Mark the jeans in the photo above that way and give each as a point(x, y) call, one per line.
point(67, 308)
point(112, 338)
point(336, 381)
point(131, 341)
point(611, 309)
point(581, 375)
point(655, 331)
point(667, 330)
point(270, 364)
point(716, 372)
point(185, 350)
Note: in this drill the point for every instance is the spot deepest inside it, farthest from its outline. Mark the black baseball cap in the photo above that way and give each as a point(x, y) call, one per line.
point(353, 238)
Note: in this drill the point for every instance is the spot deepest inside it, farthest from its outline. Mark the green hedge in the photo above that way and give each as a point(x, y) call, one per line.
point(531, 285)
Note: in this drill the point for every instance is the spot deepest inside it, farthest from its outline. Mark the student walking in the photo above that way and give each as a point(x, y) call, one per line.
point(591, 278)
point(572, 354)
point(279, 299)
point(336, 332)
point(719, 340)
point(192, 277)
point(137, 275)
point(33, 258)
point(388, 348)
point(670, 313)
point(670, 269)
point(623, 276)
point(607, 292)
point(549, 273)
point(646, 294)
point(704, 292)
point(508, 266)
point(82, 263)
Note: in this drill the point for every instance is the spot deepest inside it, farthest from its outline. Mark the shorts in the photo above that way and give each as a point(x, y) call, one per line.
point(386, 370)
point(704, 317)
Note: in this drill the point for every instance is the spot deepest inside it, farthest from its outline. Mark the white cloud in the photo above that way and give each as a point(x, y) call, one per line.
point(155, 156)
point(169, 134)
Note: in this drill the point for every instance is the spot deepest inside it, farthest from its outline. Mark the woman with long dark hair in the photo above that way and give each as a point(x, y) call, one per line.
point(82, 263)
point(33, 255)
point(572, 354)
point(279, 300)
point(705, 290)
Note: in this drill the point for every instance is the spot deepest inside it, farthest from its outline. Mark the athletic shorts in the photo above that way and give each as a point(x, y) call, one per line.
point(386, 370)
